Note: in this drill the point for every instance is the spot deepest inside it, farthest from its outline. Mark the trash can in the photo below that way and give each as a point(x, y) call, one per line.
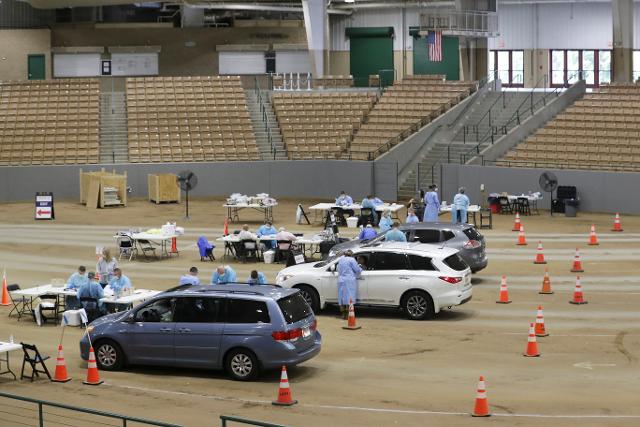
point(571, 207)
point(494, 204)
point(352, 222)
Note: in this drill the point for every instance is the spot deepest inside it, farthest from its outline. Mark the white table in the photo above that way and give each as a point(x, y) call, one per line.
point(533, 200)
point(6, 347)
point(158, 238)
point(234, 209)
point(322, 208)
point(138, 295)
point(472, 209)
point(27, 296)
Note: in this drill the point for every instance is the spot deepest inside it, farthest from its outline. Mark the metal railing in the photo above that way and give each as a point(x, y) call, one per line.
point(460, 22)
point(265, 118)
point(565, 164)
point(225, 419)
point(43, 404)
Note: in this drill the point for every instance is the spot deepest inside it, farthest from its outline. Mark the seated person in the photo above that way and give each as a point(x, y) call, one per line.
point(120, 285)
point(191, 278)
point(345, 200)
point(267, 230)
point(367, 233)
point(75, 281)
point(412, 218)
point(91, 289)
point(283, 234)
point(367, 203)
point(245, 234)
point(362, 261)
point(223, 275)
point(257, 278)
point(377, 201)
point(395, 235)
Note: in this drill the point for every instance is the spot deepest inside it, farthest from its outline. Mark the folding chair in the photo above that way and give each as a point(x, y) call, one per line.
point(248, 248)
point(33, 357)
point(91, 307)
point(126, 245)
point(20, 306)
point(49, 304)
point(147, 247)
point(486, 216)
point(523, 206)
point(505, 206)
point(366, 217)
point(283, 248)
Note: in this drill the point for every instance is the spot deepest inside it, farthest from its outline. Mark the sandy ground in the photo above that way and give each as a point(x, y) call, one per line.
point(391, 372)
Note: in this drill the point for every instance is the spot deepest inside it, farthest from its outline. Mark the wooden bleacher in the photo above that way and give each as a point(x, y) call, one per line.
point(188, 119)
point(49, 122)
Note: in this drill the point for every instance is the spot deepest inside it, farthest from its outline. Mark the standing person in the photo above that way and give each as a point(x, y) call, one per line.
point(190, 278)
point(75, 281)
point(257, 278)
point(411, 217)
point(348, 273)
point(385, 222)
point(345, 200)
point(395, 235)
point(431, 205)
point(106, 266)
point(92, 289)
point(459, 207)
point(223, 275)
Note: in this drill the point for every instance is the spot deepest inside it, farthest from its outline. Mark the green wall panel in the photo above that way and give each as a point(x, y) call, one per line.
point(369, 53)
point(450, 64)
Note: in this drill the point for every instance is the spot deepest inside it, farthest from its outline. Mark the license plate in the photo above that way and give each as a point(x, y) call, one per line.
point(306, 332)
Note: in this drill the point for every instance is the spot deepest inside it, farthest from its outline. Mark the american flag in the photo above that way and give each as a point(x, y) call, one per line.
point(434, 43)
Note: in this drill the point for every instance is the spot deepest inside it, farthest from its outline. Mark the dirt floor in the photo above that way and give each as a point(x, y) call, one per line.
point(392, 371)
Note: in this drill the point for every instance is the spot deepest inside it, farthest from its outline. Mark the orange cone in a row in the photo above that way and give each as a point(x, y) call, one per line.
point(225, 228)
point(540, 330)
point(504, 292)
point(351, 325)
point(481, 408)
point(61, 375)
point(578, 298)
point(93, 376)
point(539, 255)
point(577, 264)
point(593, 239)
point(517, 224)
point(532, 344)
point(284, 391)
point(522, 241)
point(546, 283)
point(616, 223)
point(5, 291)
point(174, 245)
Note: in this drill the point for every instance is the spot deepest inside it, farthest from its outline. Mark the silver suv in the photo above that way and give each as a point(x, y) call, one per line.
point(242, 329)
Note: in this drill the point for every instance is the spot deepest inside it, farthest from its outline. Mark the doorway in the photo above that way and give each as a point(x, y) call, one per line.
point(36, 67)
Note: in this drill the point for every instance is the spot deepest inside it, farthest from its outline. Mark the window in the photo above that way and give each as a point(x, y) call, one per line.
point(456, 262)
point(389, 261)
point(197, 310)
point(157, 311)
point(447, 235)
point(636, 65)
point(508, 66)
point(568, 66)
point(472, 233)
point(247, 311)
point(420, 263)
point(427, 236)
point(363, 260)
point(294, 308)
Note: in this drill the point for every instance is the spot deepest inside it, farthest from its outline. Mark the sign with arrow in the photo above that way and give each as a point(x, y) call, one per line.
point(590, 366)
point(44, 206)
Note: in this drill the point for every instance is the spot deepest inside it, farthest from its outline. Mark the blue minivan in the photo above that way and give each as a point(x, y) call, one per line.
point(239, 328)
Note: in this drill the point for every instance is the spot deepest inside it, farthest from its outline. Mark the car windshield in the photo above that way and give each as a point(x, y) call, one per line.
point(327, 261)
point(455, 262)
point(294, 308)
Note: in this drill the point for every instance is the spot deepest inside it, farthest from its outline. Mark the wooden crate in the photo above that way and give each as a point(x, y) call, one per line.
point(163, 188)
point(93, 184)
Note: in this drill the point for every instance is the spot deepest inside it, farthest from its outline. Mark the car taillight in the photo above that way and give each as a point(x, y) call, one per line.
point(291, 335)
point(314, 325)
point(472, 244)
point(452, 280)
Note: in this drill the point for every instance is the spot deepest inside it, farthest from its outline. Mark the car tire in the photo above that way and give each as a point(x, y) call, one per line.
point(109, 355)
point(418, 305)
point(242, 364)
point(311, 296)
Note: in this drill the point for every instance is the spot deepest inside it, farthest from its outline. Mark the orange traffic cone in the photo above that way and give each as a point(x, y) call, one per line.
point(504, 293)
point(284, 392)
point(93, 376)
point(539, 255)
point(578, 298)
point(5, 292)
point(517, 224)
point(61, 375)
point(546, 283)
point(577, 264)
point(593, 239)
point(174, 245)
point(532, 345)
point(481, 408)
point(225, 230)
point(351, 325)
point(521, 239)
point(540, 329)
point(616, 223)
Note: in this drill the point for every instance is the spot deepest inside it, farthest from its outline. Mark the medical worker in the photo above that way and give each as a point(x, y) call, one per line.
point(74, 282)
point(190, 278)
point(431, 205)
point(368, 203)
point(367, 233)
point(459, 207)
point(385, 222)
point(91, 289)
point(106, 266)
point(411, 217)
point(257, 278)
point(395, 235)
point(223, 275)
point(348, 273)
point(267, 229)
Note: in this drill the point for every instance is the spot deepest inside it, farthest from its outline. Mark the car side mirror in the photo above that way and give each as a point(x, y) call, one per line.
point(129, 319)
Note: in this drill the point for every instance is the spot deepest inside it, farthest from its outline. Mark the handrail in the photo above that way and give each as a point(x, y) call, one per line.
point(265, 118)
point(226, 418)
point(566, 164)
point(479, 86)
point(123, 418)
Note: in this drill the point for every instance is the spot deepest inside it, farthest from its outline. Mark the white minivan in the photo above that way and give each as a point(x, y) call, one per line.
point(418, 278)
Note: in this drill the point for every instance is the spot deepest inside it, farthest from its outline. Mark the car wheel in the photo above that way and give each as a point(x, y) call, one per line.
point(242, 364)
point(418, 305)
point(109, 356)
point(311, 296)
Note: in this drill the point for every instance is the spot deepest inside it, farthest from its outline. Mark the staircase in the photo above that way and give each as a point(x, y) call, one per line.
point(450, 144)
point(113, 128)
point(260, 128)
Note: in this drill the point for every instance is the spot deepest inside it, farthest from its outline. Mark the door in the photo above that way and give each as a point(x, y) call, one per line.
point(198, 331)
point(371, 52)
point(36, 67)
point(386, 277)
point(149, 339)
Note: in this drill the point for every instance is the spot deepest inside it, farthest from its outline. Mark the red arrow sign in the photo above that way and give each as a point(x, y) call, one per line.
point(41, 212)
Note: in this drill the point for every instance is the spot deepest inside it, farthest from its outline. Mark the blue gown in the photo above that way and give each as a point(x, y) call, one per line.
point(385, 224)
point(348, 273)
point(460, 203)
point(431, 207)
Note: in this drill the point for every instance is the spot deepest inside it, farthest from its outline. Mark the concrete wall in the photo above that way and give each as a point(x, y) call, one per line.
point(598, 191)
point(303, 179)
point(16, 45)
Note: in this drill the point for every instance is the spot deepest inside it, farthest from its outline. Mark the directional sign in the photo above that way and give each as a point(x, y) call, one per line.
point(44, 206)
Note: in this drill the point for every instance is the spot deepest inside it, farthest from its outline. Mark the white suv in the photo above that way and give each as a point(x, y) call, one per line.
point(421, 279)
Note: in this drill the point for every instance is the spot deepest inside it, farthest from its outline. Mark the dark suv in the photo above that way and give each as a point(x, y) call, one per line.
point(464, 237)
point(239, 328)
